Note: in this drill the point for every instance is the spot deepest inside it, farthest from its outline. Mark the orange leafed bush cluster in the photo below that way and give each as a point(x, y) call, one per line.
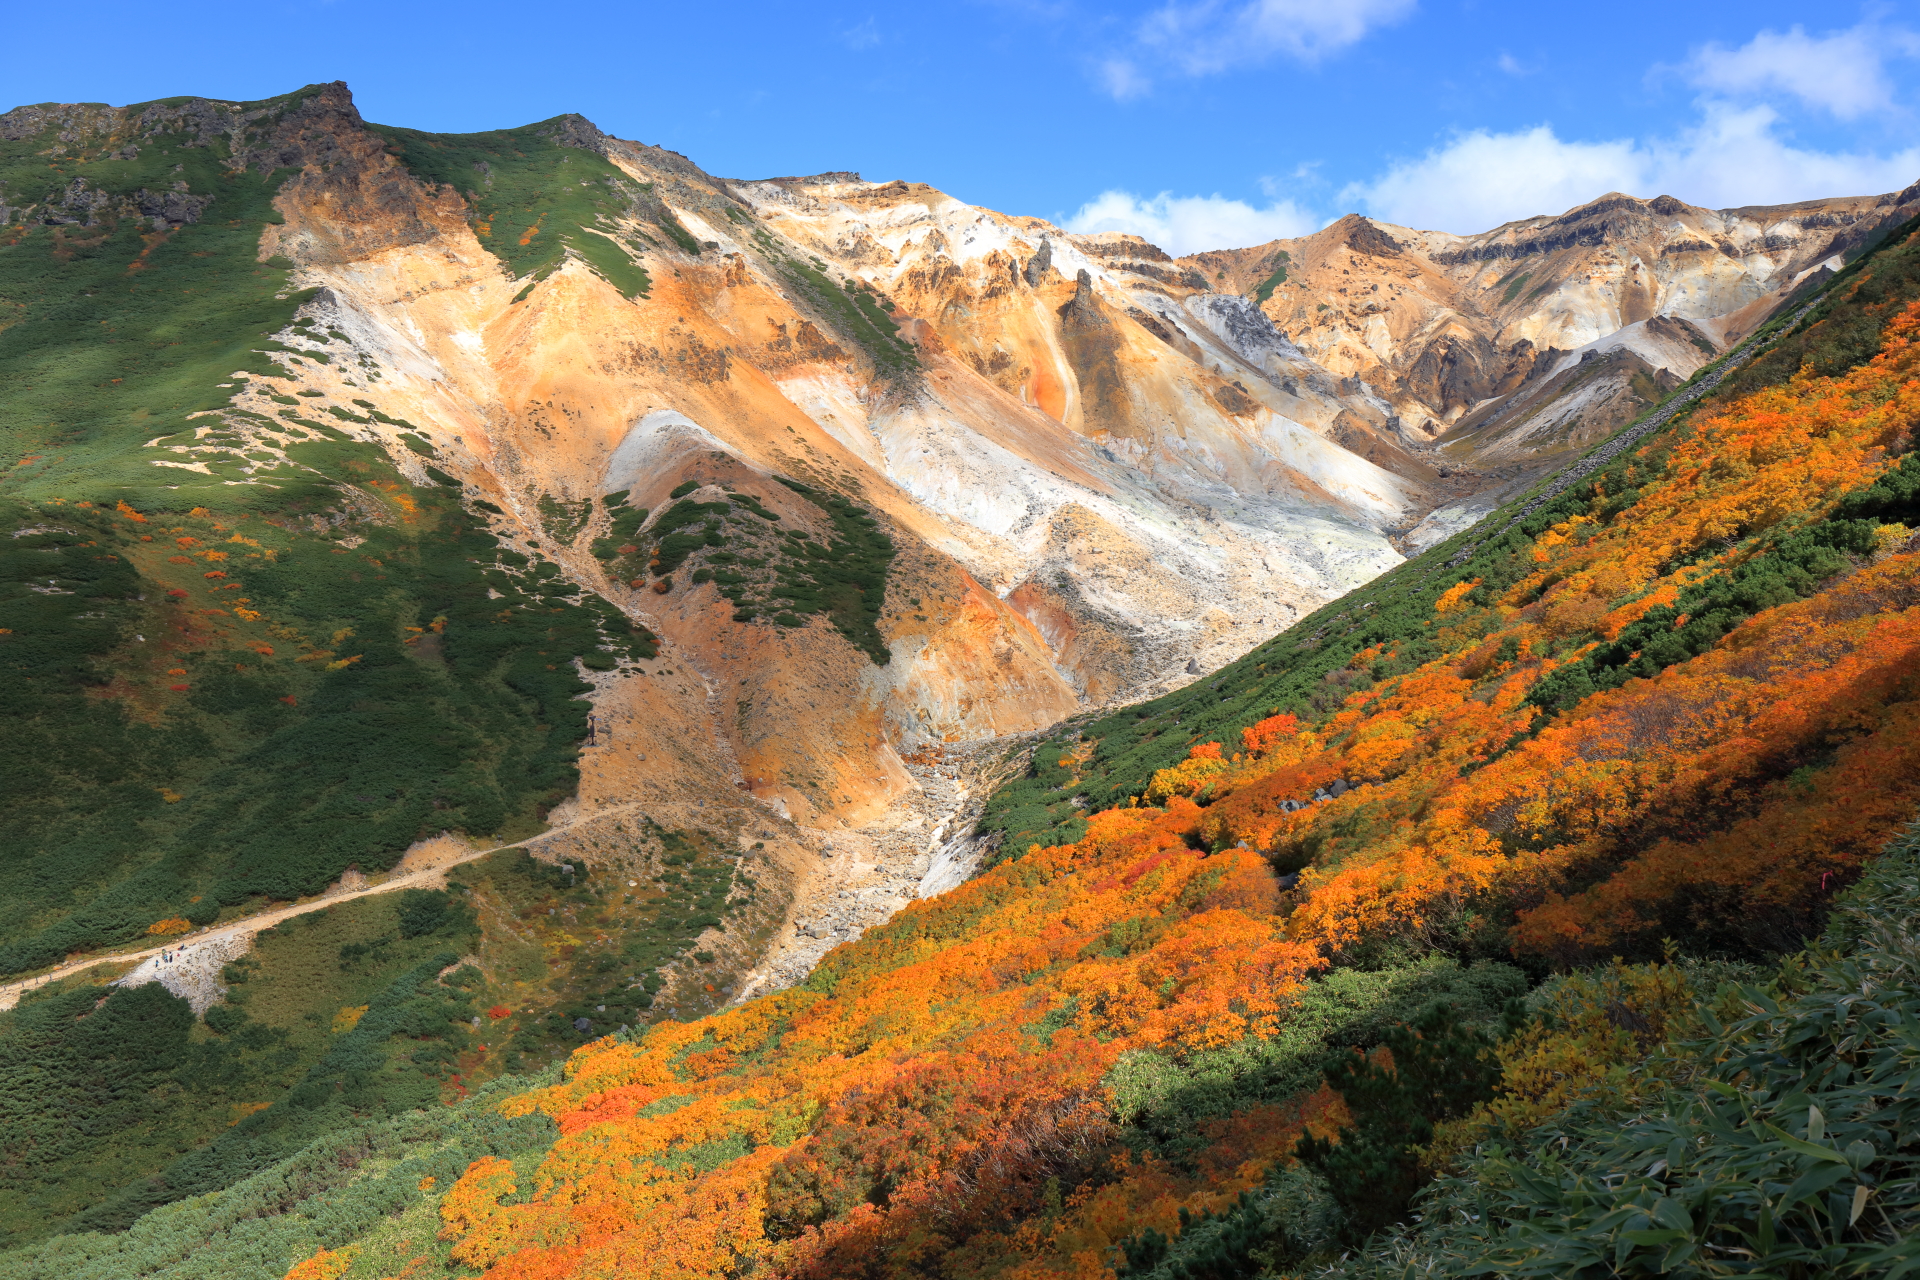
point(947, 1071)
point(934, 1091)
point(1748, 782)
point(325, 1265)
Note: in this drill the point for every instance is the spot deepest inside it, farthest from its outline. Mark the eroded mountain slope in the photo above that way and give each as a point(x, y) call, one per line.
point(1449, 327)
point(366, 475)
point(1059, 538)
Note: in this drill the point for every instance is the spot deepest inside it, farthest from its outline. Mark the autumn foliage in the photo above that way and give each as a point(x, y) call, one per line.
point(935, 1086)
point(1732, 792)
point(931, 1101)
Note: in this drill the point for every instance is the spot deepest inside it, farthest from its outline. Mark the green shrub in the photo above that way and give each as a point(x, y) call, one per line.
point(425, 911)
point(1440, 1070)
point(1286, 1221)
point(1786, 569)
point(1784, 1145)
point(1164, 1102)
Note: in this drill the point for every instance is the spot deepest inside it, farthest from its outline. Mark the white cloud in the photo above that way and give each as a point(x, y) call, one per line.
point(1209, 36)
point(863, 35)
point(1731, 156)
point(1480, 179)
point(1122, 79)
point(1305, 174)
point(1189, 224)
point(1735, 157)
point(1841, 72)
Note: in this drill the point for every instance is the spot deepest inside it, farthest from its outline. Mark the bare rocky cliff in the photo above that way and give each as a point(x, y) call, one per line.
point(1088, 487)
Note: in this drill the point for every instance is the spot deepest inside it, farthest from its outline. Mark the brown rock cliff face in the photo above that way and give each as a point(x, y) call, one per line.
point(536, 399)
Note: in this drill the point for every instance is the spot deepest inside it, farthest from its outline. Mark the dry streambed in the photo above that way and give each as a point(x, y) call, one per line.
point(921, 847)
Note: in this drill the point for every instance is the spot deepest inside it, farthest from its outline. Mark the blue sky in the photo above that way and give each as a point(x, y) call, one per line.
point(1200, 124)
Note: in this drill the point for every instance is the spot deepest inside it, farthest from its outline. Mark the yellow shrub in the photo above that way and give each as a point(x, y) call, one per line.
point(1202, 765)
point(1597, 1039)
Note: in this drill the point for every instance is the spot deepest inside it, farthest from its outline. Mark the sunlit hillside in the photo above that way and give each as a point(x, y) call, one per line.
point(1671, 723)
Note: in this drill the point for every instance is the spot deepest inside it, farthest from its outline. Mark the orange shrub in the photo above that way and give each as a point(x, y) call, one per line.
point(1269, 733)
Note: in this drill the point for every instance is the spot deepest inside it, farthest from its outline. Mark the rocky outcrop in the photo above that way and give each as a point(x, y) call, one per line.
point(1037, 266)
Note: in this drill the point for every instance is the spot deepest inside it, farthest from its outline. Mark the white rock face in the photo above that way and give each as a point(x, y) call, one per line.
point(1443, 523)
point(1439, 323)
point(192, 970)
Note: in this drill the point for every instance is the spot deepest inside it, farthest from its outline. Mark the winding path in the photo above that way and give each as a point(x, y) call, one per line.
point(426, 877)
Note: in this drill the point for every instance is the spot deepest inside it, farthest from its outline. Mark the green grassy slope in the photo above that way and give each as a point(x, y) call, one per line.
point(119, 1101)
point(534, 198)
point(130, 289)
point(255, 673)
point(375, 1182)
point(183, 742)
point(769, 573)
point(116, 1101)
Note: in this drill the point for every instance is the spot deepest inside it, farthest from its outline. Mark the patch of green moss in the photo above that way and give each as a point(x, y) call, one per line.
point(1272, 282)
point(853, 311)
point(846, 579)
point(563, 520)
